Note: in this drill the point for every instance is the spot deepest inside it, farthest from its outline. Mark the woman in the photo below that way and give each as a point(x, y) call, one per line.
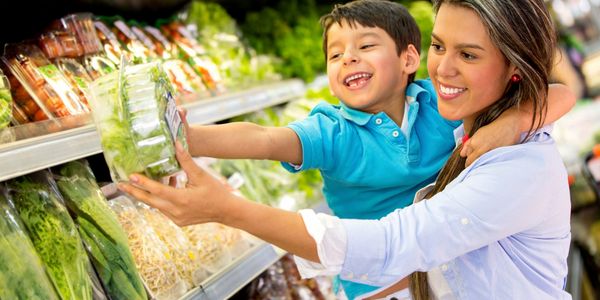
point(498, 229)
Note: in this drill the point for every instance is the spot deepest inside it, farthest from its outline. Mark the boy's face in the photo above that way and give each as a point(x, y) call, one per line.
point(364, 69)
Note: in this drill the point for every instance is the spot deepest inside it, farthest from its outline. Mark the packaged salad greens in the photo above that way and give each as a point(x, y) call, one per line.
point(22, 275)
point(6, 110)
point(151, 256)
point(53, 234)
point(138, 122)
point(5, 102)
point(101, 232)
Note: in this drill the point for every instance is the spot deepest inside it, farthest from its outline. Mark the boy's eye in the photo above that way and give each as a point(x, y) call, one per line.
point(366, 46)
point(334, 56)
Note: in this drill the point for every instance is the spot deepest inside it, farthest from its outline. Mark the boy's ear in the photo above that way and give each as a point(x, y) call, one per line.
point(413, 59)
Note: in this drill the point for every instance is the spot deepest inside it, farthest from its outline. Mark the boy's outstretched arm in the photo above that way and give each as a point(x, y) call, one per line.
point(245, 140)
point(507, 129)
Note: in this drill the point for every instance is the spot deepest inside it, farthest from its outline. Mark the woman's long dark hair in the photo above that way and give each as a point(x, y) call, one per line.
point(524, 32)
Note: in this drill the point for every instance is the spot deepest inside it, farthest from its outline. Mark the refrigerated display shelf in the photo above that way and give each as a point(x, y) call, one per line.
point(227, 282)
point(29, 155)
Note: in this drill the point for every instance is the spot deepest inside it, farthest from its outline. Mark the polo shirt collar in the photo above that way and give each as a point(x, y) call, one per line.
point(359, 117)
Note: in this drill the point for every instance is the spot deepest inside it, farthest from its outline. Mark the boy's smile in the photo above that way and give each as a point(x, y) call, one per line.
point(365, 71)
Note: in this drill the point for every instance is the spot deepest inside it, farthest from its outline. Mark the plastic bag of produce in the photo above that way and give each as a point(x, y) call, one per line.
point(6, 110)
point(210, 244)
point(150, 254)
point(186, 258)
point(22, 274)
point(101, 231)
point(138, 121)
point(53, 234)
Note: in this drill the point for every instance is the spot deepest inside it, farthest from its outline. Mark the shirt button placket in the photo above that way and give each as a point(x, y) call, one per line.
point(378, 121)
point(395, 133)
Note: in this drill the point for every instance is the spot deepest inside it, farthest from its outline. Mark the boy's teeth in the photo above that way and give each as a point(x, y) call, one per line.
point(450, 91)
point(356, 76)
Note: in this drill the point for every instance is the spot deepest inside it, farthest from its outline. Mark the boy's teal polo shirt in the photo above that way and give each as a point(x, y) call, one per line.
point(369, 166)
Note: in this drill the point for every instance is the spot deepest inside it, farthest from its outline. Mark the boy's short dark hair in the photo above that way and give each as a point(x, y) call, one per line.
point(392, 17)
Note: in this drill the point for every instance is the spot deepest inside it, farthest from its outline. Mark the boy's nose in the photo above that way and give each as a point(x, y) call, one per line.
point(350, 57)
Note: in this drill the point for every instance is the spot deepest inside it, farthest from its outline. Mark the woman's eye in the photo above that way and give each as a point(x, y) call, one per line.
point(468, 56)
point(436, 47)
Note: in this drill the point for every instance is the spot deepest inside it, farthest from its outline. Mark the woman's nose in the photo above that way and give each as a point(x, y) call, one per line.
point(446, 66)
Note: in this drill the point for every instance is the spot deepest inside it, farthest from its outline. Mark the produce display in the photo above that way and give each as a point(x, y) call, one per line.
point(151, 256)
point(53, 234)
point(209, 243)
point(5, 102)
point(137, 121)
point(185, 257)
point(282, 281)
point(101, 232)
point(43, 91)
point(22, 275)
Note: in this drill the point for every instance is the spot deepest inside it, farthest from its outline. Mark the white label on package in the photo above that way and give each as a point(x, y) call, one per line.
point(236, 180)
point(173, 118)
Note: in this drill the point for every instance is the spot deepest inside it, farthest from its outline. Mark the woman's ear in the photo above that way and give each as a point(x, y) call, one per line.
point(413, 59)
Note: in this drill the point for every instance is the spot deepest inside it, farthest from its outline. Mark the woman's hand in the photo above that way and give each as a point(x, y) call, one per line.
point(202, 200)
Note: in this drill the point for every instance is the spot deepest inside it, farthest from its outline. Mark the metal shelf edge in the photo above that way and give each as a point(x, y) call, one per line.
point(226, 283)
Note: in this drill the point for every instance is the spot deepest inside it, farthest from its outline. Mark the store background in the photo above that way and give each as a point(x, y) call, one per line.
point(273, 76)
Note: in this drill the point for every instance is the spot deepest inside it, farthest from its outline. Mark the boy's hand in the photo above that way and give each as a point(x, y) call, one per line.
point(504, 131)
point(203, 200)
point(186, 126)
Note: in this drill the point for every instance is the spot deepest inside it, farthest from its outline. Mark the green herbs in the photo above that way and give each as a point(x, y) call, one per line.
point(5, 107)
point(54, 236)
point(101, 232)
point(21, 272)
point(131, 113)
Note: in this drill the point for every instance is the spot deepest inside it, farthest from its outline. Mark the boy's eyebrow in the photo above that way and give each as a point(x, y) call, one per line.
point(361, 35)
point(459, 46)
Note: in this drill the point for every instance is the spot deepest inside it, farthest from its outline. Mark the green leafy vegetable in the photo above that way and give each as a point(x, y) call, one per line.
point(22, 275)
point(101, 232)
point(131, 117)
point(5, 107)
point(54, 236)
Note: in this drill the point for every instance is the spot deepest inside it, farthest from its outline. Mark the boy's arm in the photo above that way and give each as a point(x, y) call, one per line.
point(507, 129)
point(245, 140)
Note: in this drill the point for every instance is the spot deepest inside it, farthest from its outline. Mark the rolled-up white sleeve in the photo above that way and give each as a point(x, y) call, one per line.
point(330, 236)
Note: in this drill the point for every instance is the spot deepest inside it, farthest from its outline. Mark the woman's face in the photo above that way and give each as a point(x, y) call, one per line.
point(468, 71)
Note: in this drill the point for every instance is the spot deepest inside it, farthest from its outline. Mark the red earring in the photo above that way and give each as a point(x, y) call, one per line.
point(516, 78)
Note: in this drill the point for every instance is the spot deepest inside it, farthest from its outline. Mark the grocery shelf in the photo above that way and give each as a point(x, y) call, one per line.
point(227, 282)
point(234, 104)
point(240, 272)
point(29, 155)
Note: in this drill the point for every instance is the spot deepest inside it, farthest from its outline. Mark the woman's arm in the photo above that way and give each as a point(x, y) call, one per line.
point(205, 199)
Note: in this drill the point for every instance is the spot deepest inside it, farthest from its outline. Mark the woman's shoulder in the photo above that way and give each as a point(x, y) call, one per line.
point(533, 158)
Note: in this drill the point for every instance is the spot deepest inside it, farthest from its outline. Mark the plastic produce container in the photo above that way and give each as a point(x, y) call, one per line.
point(138, 121)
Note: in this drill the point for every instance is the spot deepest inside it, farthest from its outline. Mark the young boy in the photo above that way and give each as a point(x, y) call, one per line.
point(384, 142)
